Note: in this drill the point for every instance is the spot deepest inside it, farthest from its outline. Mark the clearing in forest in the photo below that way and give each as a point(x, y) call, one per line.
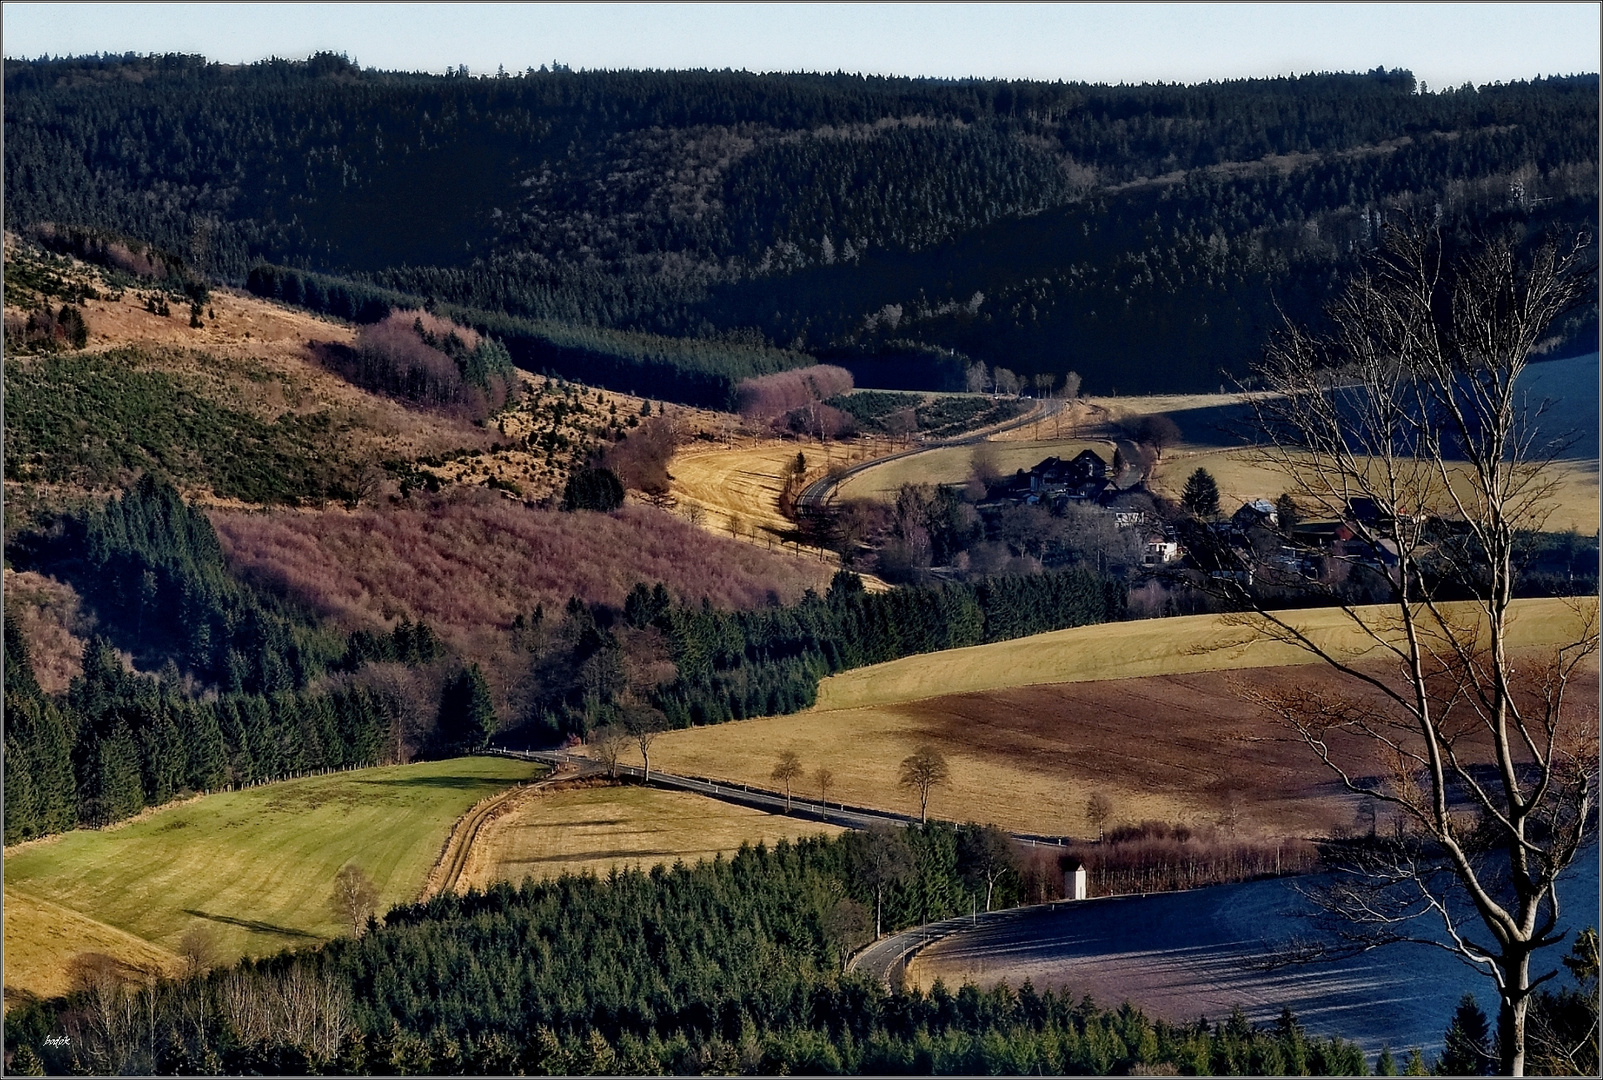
point(551, 831)
point(255, 866)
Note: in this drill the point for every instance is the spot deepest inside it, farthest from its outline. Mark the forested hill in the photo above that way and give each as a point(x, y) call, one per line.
point(1140, 235)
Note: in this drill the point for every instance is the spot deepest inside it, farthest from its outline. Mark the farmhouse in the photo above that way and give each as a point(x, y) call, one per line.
point(1083, 478)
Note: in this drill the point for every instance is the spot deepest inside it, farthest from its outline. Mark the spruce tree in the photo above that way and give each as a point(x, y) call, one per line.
point(467, 714)
point(1201, 494)
point(1468, 1049)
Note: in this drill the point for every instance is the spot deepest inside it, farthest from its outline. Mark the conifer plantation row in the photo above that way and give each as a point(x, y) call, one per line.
point(730, 966)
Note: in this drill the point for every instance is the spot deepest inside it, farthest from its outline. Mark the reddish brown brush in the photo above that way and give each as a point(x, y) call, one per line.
point(473, 562)
point(774, 395)
point(1157, 857)
point(404, 355)
point(641, 460)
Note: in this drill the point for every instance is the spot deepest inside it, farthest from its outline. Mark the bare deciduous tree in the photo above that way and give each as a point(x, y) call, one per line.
point(825, 779)
point(1157, 431)
point(643, 724)
point(787, 770)
point(354, 898)
point(1408, 422)
point(1098, 809)
point(846, 925)
point(198, 949)
point(607, 743)
point(986, 854)
point(882, 860)
point(923, 770)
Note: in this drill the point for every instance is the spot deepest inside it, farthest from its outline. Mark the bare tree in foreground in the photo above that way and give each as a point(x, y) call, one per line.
point(787, 771)
point(923, 770)
point(355, 897)
point(1406, 421)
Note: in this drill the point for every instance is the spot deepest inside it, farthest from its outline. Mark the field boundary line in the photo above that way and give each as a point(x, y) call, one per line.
point(453, 858)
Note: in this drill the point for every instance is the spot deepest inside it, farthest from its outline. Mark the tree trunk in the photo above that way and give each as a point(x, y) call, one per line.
point(1511, 1014)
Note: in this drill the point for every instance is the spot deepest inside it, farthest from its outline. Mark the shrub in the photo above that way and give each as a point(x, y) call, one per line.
point(420, 357)
point(771, 396)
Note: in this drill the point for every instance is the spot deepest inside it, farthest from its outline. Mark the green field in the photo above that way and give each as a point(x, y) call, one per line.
point(257, 866)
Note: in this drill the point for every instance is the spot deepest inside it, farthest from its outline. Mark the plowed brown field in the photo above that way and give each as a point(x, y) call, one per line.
point(1176, 748)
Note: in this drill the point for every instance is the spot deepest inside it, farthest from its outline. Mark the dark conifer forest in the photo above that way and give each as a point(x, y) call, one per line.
point(721, 224)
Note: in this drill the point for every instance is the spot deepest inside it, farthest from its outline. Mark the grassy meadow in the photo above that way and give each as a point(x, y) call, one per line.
point(1242, 475)
point(743, 483)
point(255, 866)
point(43, 939)
point(555, 831)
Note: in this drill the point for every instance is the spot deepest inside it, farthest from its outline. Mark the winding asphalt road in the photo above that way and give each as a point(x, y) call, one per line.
point(816, 496)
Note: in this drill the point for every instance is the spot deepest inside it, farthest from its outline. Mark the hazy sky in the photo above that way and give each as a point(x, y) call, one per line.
point(1443, 44)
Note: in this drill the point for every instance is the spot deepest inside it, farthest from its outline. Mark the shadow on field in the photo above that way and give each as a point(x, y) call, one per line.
point(601, 853)
point(255, 925)
point(459, 783)
point(587, 822)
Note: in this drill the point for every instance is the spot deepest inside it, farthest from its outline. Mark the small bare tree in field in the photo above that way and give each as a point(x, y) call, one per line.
point(198, 949)
point(643, 724)
point(787, 771)
point(1098, 809)
point(607, 743)
point(922, 771)
point(825, 779)
point(1407, 421)
point(355, 897)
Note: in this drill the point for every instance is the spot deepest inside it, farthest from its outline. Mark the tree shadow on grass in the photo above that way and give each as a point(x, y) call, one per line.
point(602, 853)
point(460, 783)
point(254, 925)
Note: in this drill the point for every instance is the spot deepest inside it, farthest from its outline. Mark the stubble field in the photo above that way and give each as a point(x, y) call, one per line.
point(549, 832)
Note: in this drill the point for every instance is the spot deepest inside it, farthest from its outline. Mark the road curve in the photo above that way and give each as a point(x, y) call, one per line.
point(816, 496)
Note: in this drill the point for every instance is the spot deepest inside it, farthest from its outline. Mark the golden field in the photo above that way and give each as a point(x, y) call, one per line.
point(552, 831)
point(1149, 713)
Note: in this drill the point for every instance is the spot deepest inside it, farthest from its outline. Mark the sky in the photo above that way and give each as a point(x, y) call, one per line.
point(1445, 45)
